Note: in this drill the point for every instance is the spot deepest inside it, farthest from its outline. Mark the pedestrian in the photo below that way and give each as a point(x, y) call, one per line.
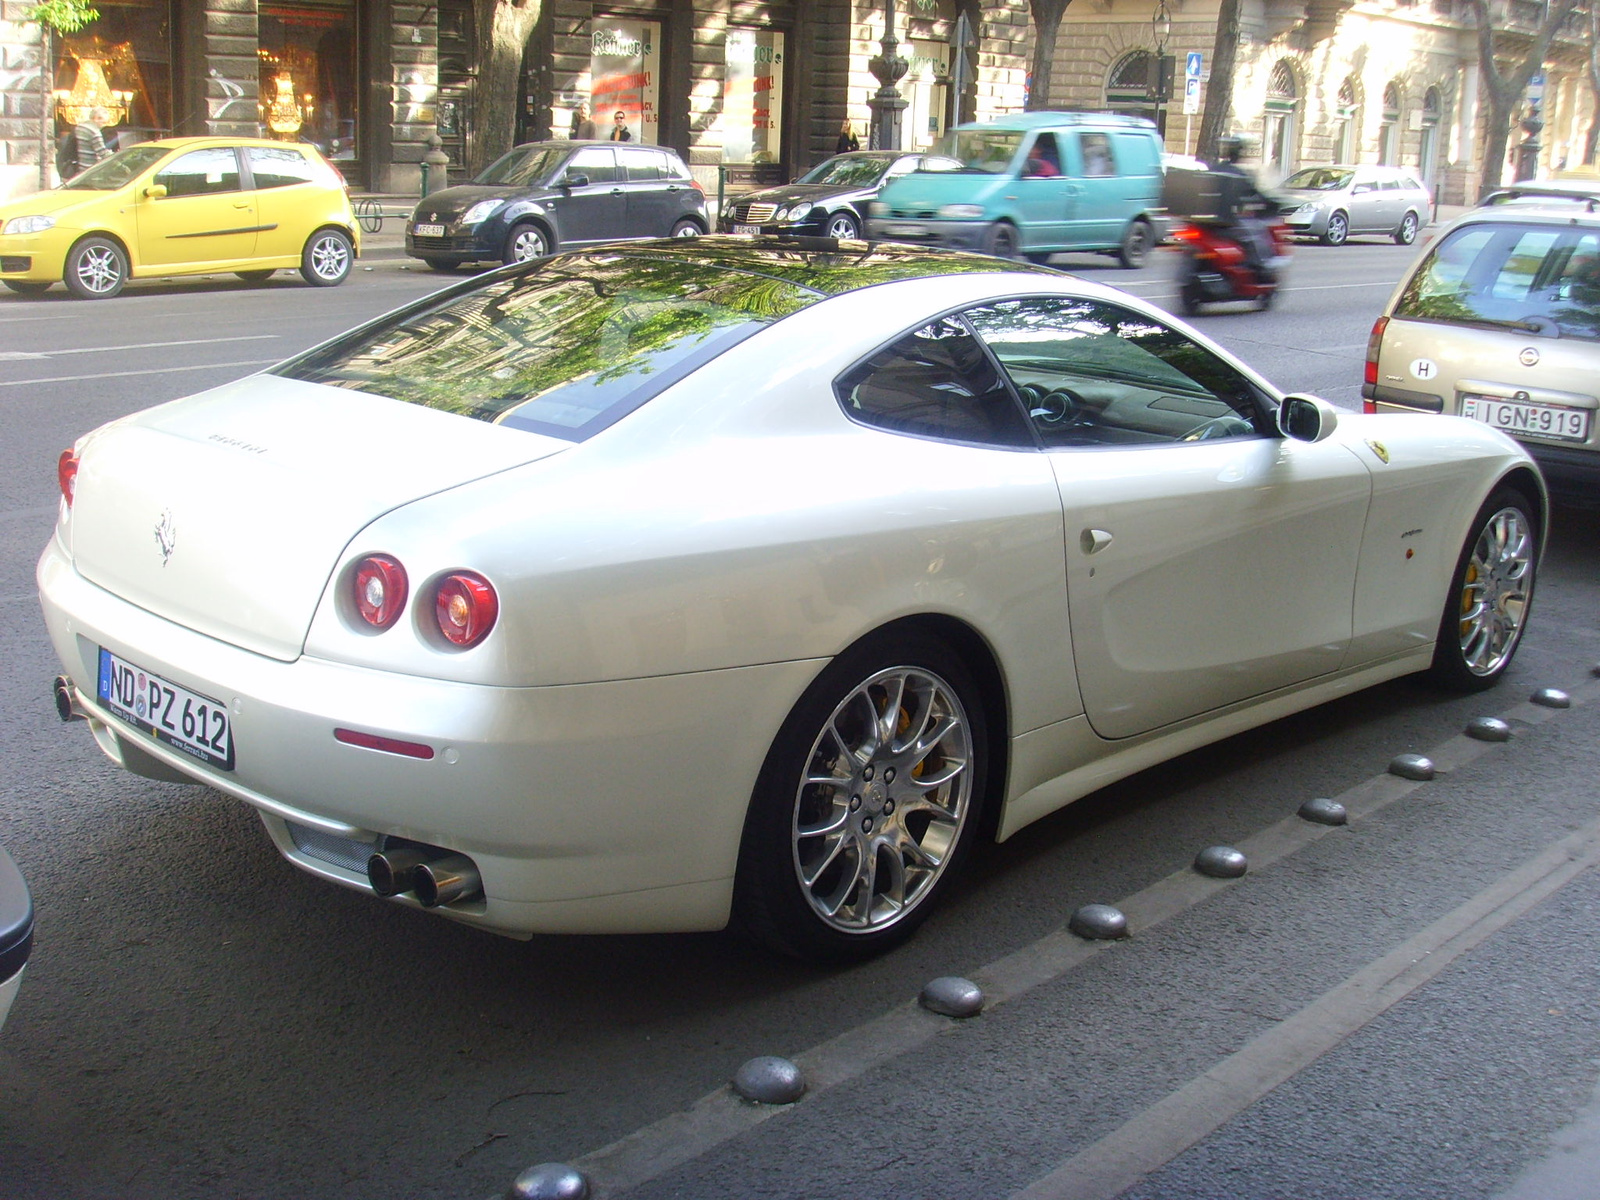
point(619, 127)
point(847, 140)
point(583, 129)
point(90, 142)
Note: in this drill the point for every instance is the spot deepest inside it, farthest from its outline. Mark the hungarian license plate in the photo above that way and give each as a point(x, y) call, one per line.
point(187, 721)
point(427, 231)
point(1523, 416)
point(747, 229)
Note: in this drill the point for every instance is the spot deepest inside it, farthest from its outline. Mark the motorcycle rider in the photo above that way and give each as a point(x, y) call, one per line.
point(1244, 206)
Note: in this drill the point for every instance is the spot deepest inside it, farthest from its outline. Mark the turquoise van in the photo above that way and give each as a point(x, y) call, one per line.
point(1034, 184)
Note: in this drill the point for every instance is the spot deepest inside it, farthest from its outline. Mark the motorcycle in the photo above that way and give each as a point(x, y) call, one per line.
point(1216, 268)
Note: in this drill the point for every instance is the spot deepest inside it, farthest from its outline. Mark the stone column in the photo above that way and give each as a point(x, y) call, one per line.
point(20, 104)
point(407, 116)
point(232, 69)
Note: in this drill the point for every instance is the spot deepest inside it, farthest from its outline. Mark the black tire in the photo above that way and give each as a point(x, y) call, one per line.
point(524, 243)
point(1407, 233)
point(1136, 242)
point(1001, 240)
point(687, 229)
point(1190, 299)
point(842, 225)
point(96, 269)
point(255, 276)
point(1491, 591)
point(1039, 257)
point(327, 258)
point(444, 266)
point(1338, 231)
point(869, 826)
point(27, 287)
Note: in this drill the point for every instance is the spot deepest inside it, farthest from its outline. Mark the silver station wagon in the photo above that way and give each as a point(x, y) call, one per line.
point(1500, 321)
point(1334, 203)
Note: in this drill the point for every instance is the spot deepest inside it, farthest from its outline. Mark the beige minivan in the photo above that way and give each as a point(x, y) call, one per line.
point(1499, 321)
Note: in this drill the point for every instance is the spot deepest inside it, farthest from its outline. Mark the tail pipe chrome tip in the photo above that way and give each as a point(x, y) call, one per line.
point(391, 872)
point(453, 877)
point(67, 706)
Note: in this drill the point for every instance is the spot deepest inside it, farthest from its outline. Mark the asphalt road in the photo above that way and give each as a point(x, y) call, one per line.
point(1405, 1007)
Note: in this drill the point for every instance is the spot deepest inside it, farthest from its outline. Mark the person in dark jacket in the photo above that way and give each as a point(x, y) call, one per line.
point(619, 127)
point(1244, 207)
point(847, 140)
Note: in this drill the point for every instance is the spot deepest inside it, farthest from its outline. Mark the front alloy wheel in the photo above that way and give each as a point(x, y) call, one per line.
point(866, 804)
point(1338, 230)
point(1487, 608)
point(96, 269)
point(523, 243)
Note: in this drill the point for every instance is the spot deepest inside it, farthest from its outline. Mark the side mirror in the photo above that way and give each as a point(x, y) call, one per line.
point(155, 191)
point(1361, 189)
point(572, 181)
point(1307, 418)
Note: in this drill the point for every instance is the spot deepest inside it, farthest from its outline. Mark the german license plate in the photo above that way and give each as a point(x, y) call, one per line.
point(747, 229)
point(427, 231)
point(1523, 416)
point(187, 721)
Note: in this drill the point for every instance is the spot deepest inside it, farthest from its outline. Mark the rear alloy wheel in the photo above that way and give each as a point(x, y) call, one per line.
point(1136, 243)
point(686, 229)
point(842, 225)
point(524, 243)
point(1407, 233)
point(327, 258)
point(866, 804)
point(1001, 240)
point(97, 269)
point(1487, 606)
point(27, 287)
point(1338, 230)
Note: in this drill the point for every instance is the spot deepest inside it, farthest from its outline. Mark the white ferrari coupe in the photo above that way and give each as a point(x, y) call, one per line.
point(675, 585)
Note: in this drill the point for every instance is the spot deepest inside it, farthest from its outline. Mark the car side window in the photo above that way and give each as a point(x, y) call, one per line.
point(936, 382)
point(643, 165)
point(676, 169)
point(1095, 374)
point(597, 162)
point(201, 172)
point(274, 167)
point(1095, 149)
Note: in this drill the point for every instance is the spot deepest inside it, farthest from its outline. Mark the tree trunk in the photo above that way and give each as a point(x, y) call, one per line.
point(1505, 89)
point(503, 29)
point(1047, 16)
point(47, 60)
point(1219, 88)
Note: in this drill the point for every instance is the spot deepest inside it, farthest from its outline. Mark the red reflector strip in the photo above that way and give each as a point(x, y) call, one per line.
point(372, 741)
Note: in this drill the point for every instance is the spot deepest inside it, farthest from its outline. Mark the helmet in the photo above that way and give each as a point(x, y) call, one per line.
point(1231, 147)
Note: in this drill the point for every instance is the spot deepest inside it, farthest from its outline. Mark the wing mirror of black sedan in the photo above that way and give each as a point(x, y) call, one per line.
point(572, 181)
point(1307, 418)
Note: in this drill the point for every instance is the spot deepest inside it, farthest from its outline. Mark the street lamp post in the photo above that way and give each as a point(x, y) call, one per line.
point(888, 105)
point(1161, 29)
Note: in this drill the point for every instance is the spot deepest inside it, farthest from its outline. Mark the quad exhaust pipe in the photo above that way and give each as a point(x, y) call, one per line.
point(432, 875)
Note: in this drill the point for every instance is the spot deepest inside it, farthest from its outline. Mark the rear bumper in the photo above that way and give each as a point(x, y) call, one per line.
point(587, 808)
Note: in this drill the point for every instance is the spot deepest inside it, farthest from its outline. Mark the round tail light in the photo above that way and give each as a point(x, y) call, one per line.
point(381, 588)
point(67, 474)
point(466, 608)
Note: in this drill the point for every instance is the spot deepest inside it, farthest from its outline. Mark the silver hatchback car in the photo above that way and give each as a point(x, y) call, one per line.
point(1499, 321)
point(1333, 203)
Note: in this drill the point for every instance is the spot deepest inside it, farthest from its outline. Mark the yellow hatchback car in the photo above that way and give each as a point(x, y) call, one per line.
point(183, 206)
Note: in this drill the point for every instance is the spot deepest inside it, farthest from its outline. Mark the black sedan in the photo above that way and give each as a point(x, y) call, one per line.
point(830, 200)
point(562, 195)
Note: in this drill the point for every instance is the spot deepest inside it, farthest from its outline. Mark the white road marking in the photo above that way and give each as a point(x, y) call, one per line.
point(255, 362)
point(249, 337)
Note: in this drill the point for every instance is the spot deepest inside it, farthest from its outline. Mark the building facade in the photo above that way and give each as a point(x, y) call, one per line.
point(755, 90)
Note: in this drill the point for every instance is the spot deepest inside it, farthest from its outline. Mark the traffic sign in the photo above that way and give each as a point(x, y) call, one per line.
point(1191, 95)
point(1191, 65)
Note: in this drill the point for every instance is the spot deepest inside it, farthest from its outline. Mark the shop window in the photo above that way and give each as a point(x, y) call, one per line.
point(122, 62)
point(625, 81)
point(309, 73)
point(752, 96)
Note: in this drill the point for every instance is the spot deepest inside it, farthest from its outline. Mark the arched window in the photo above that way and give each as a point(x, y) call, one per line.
point(1347, 123)
point(1389, 131)
point(1282, 135)
point(1131, 85)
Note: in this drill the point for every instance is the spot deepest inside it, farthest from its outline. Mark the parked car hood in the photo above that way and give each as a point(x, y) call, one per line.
point(58, 202)
point(789, 193)
point(227, 511)
point(1307, 195)
point(449, 203)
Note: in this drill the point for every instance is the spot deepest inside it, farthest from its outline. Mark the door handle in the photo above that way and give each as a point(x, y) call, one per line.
point(1092, 541)
point(241, 204)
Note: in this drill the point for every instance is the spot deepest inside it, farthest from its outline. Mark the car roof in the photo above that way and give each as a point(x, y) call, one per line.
point(1558, 194)
point(1051, 120)
point(574, 143)
point(193, 143)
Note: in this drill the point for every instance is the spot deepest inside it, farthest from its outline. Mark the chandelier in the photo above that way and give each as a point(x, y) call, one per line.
point(284, 113)
point(92, 90)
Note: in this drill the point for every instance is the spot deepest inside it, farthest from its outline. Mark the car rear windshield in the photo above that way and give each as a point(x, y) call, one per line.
point(520, 167)
point(1534, 278)
point(565, 347)
point(117, 170)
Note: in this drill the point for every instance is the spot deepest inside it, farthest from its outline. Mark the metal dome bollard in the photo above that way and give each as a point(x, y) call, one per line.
point(952, 996)
point(769, 1080)
point(1488, 729)
point(549, 1181)
point(1099, 923)
point(1322, 811)
point(1221, 862)
point(1412, 766)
